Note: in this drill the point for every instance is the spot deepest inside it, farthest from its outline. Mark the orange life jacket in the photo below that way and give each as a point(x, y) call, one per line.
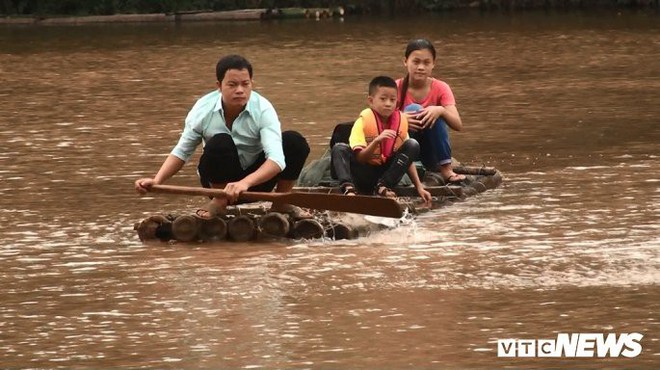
point(373, 126)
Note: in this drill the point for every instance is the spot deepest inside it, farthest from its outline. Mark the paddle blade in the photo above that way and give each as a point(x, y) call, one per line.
point(366, 205)
point(362, 204)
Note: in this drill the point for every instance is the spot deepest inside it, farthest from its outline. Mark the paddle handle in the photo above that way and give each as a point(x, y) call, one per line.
point(211, 192)
point(187, 190)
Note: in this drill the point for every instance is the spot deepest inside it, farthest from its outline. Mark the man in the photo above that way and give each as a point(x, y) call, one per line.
point(244, 148)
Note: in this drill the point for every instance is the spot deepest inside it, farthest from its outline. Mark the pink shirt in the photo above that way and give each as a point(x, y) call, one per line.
point(439, 94)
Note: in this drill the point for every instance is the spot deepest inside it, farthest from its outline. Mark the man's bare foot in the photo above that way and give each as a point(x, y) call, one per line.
point(295, 212)
point(214, 208)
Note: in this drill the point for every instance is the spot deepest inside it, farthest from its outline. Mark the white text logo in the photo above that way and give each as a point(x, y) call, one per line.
point(573, 345)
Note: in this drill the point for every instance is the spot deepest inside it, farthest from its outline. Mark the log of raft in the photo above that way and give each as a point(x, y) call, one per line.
point(185, 228)
point(308, 229)
point(254, 221)
point(241, 228)
point(274, 224)
point(340, 231)
point(212, 229)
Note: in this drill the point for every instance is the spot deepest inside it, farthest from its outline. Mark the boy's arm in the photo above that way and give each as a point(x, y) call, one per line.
point(363, 155)
point(414, 176)
point(423, 193)
point(358, 142)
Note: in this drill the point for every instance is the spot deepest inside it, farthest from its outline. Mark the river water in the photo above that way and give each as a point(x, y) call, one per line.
point(565, 105)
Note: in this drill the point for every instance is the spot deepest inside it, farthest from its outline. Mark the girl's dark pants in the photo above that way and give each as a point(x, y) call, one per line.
point(434, 144)
point(435, 149)
point(219, 164)
point(366, 177)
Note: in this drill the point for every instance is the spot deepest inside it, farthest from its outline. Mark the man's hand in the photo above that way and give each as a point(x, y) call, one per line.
point(142, 185)
point(234, 190)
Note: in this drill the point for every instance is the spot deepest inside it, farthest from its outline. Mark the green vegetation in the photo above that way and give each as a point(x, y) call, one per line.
point(107, 7)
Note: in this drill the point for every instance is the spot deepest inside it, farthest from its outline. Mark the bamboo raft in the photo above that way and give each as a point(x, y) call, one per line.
point(254, 221)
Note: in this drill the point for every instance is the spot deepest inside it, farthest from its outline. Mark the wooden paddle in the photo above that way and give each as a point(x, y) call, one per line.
point(367, 205)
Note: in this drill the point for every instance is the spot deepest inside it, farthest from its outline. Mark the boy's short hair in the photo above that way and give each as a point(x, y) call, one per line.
point(231, 62)
point(381, 81)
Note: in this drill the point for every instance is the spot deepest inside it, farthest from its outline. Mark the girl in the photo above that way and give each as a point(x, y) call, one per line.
point(431, 107)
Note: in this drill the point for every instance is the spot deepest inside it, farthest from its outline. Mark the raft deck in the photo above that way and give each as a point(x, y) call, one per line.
point(254, 221)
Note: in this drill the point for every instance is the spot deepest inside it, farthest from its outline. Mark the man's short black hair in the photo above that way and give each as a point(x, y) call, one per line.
point(381, 81)
point(233, 61)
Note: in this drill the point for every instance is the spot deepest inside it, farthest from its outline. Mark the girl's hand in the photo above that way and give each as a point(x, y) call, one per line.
point(413, 123)
point(429, 115)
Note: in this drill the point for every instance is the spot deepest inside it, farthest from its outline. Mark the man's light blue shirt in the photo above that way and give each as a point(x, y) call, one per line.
point(257, 128)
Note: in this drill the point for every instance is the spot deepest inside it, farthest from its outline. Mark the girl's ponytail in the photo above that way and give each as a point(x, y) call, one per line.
point(404, 91)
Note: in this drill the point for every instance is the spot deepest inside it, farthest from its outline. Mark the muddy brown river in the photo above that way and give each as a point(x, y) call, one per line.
point(566, 105)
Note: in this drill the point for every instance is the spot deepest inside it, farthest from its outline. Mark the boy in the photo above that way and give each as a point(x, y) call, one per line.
point(379, 151)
